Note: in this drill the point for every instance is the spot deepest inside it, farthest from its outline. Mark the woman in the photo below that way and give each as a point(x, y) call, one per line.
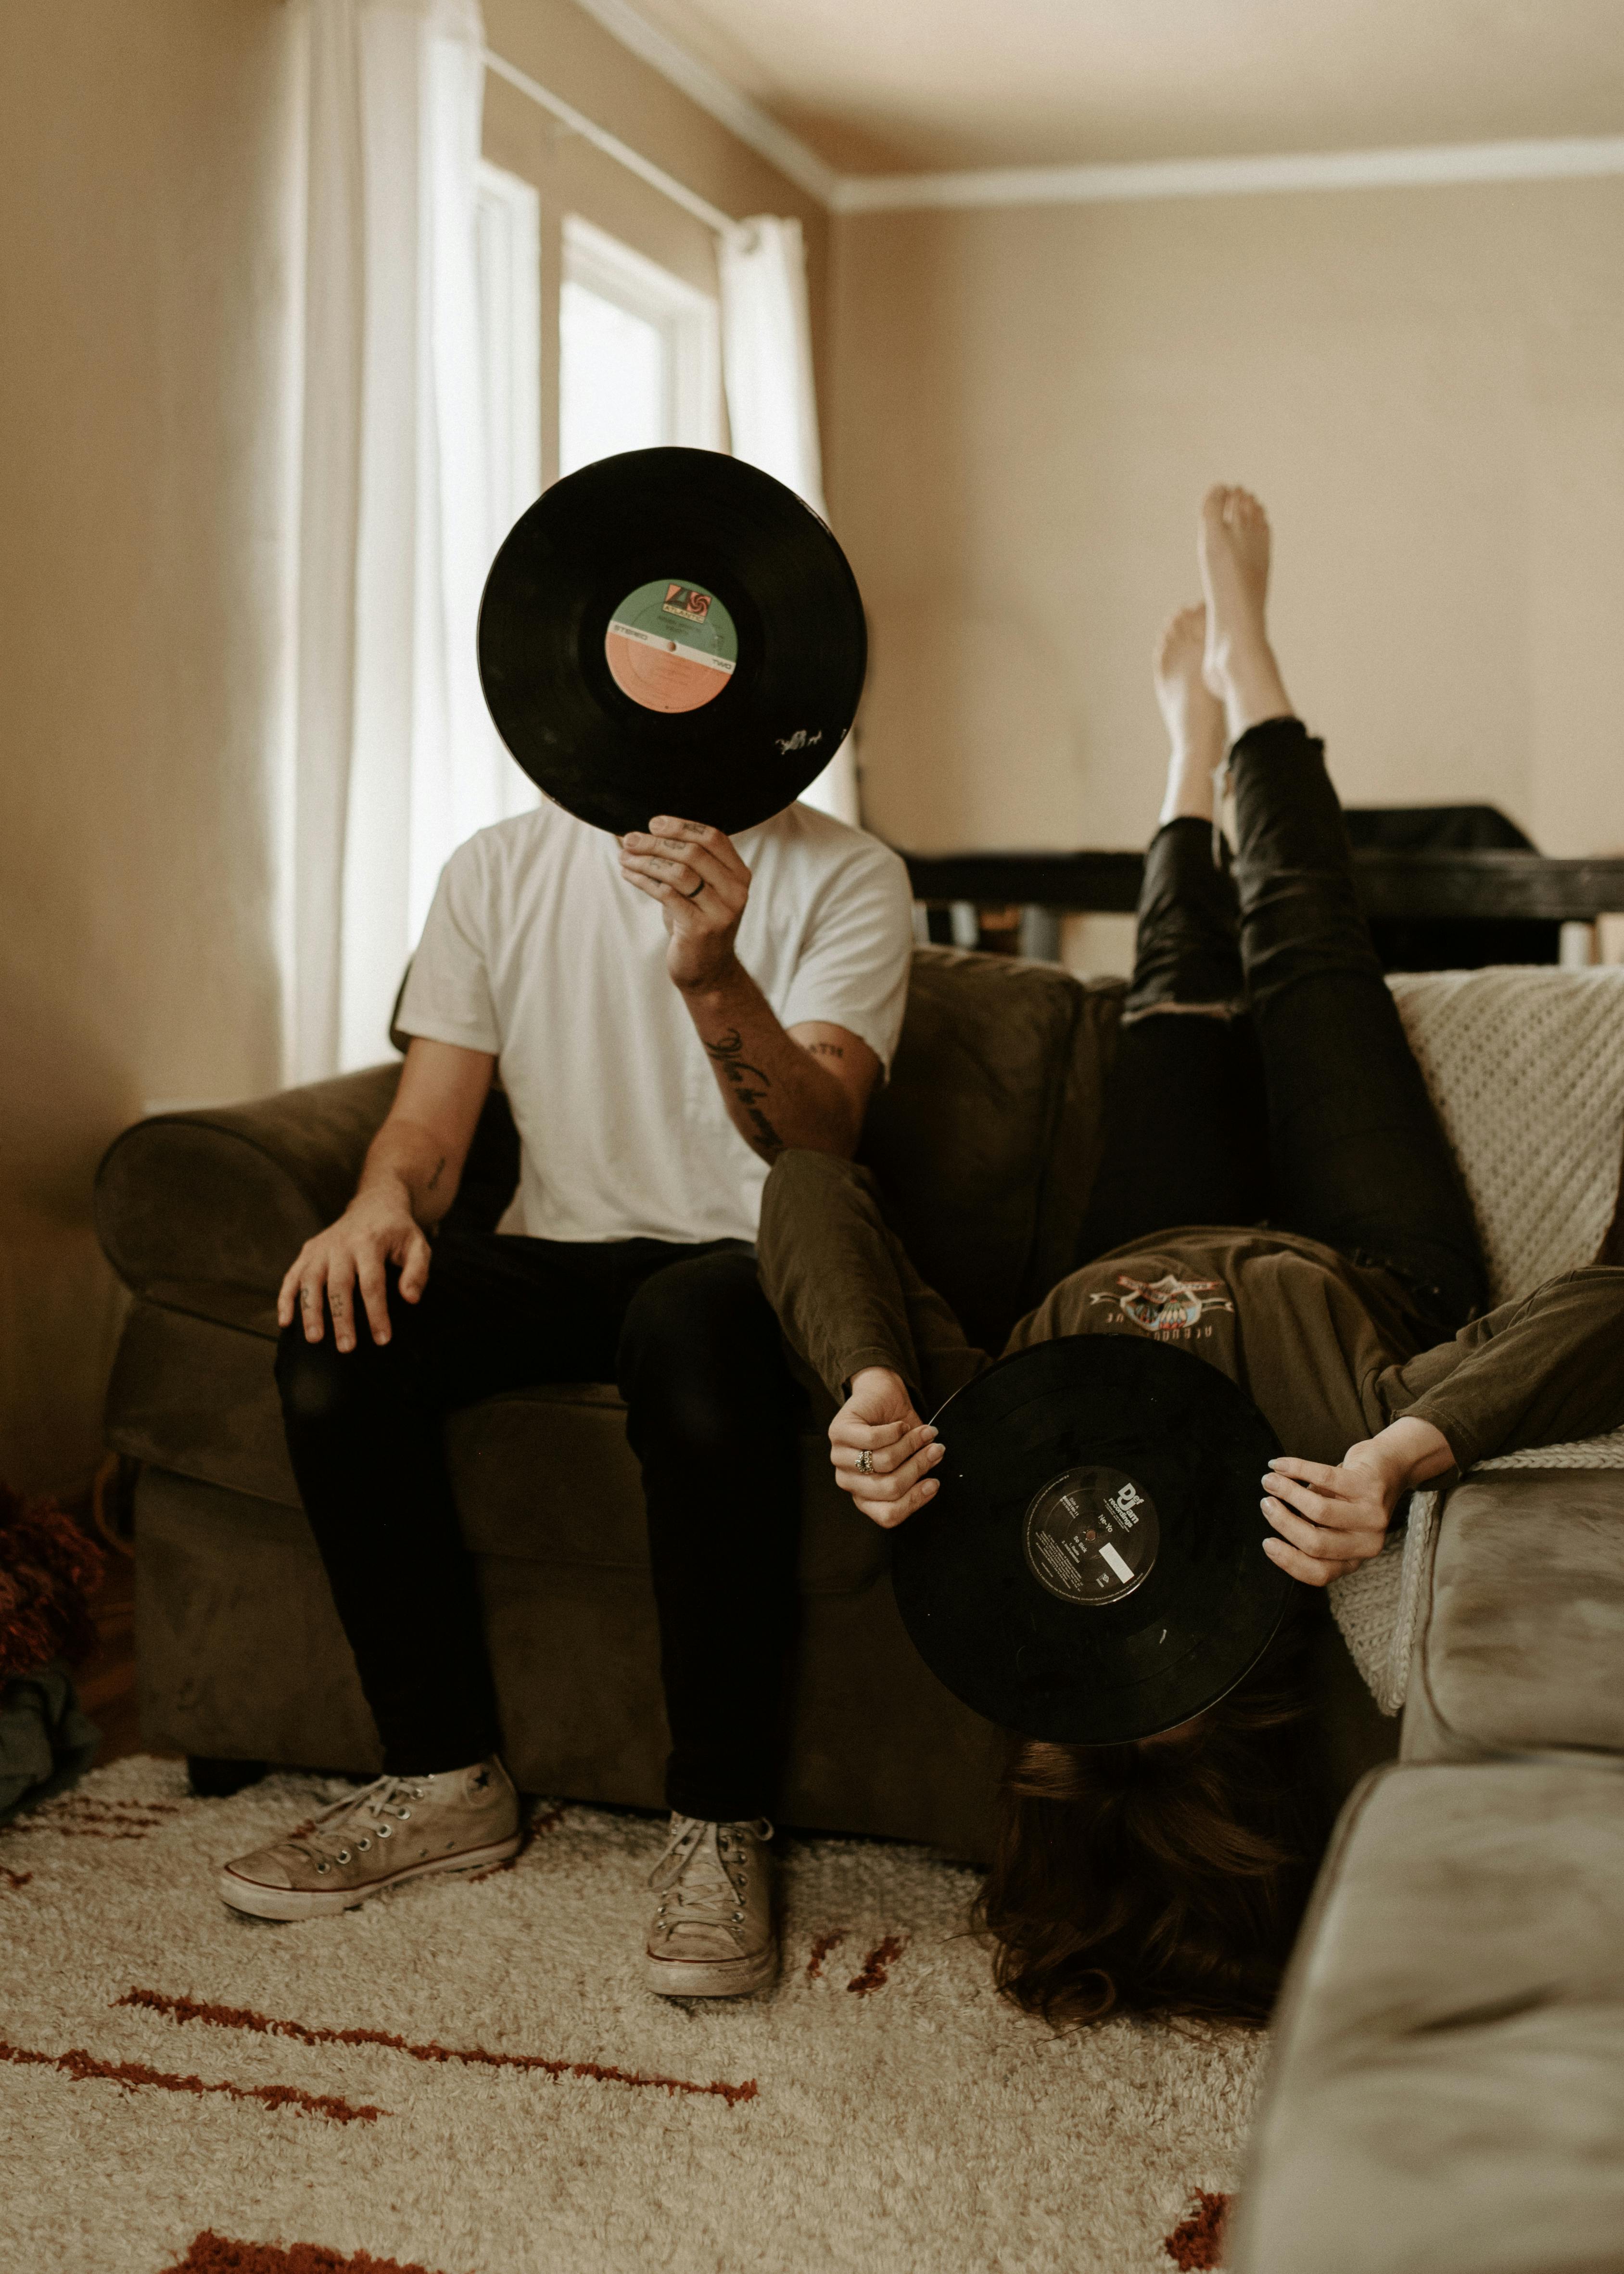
point(1262, 1072)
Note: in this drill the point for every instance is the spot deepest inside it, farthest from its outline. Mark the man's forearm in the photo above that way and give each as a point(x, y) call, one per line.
point(778, 1094)
point(409, 1164)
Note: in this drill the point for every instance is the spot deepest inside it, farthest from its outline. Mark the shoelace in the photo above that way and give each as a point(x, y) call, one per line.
point(708, 1867)
point(337, 1832)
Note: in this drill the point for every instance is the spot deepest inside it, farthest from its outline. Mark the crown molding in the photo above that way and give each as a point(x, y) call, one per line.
point(1427, 165)
point(1424, 165)
point(725, 103)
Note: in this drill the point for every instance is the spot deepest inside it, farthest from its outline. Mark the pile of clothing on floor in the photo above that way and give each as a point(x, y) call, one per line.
point(48, 1570)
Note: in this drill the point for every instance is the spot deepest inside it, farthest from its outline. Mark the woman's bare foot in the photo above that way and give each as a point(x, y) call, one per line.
point(1194, 715)
point(1239, 668)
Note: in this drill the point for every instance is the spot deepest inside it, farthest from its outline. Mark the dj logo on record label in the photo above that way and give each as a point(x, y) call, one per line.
point(671, 646)
point(1091, 1535)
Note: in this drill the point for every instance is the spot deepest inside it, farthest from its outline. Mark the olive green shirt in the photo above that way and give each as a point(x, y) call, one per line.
point(1330, 1352)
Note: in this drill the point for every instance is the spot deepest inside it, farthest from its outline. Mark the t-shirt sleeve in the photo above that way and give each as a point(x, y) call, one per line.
point(858, 945)
point(448, 993)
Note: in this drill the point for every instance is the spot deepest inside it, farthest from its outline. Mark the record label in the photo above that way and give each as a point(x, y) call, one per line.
point(671, 645)
point(1091, 1535)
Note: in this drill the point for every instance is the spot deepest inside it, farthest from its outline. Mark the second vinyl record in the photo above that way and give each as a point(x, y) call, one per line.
point(671, 631)
point(1091, 1568)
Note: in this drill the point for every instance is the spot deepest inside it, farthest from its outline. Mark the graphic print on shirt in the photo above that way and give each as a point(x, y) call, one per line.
point(1170, 1307)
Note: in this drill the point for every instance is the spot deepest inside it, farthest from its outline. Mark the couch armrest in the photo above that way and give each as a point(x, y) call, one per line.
point(205, 1211)
point(1517, 1640)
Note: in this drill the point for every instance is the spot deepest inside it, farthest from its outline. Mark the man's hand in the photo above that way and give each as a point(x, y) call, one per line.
point(409, 1181)
point(376, 1228)
point(701, 885)
point(878, 1420)
point(1331, 1520)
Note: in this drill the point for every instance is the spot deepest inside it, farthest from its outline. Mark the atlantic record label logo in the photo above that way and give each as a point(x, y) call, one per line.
point(1091, 1535)
point(671, 645)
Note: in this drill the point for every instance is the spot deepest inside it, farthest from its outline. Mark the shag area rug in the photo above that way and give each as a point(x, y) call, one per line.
point(468, 2078)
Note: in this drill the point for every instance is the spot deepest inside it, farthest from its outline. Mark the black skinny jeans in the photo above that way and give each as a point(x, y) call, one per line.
point(1307, 1110)
point(713, 1417)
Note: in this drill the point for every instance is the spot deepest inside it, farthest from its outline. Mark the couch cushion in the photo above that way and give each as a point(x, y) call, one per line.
point(1446, 2093)
point(544, 1475)
point(985, 1138)
point(1522, 1639)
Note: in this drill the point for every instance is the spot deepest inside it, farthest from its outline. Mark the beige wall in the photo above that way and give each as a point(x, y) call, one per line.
point(148, 210)
point(147, 227)
point(1427, 388)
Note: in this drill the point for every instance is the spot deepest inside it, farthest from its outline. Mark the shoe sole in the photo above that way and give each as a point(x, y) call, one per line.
point(288, 1903)
point(728, 1978)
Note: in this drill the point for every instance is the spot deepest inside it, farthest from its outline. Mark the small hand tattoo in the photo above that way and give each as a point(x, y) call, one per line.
point(825, 1050)
point(748, 1085)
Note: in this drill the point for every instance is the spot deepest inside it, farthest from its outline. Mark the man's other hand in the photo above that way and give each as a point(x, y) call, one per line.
point(347, 1260)
point(878, 1421)
point(701, 885)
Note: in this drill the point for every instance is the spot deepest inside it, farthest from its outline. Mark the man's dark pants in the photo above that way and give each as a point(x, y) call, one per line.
point(713, 1417)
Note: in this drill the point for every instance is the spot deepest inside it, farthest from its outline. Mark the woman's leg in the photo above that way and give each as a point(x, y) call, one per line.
point(1185, 1129)
point(1359, 1159)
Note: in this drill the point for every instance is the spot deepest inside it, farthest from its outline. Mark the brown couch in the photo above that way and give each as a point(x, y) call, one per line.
point(985, 1141)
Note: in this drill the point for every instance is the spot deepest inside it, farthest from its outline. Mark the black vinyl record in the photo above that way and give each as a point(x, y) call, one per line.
point(671, 631)
point(1091, 1567)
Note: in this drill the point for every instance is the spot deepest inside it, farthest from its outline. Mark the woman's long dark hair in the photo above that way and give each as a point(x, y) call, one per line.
point(1167, 1876)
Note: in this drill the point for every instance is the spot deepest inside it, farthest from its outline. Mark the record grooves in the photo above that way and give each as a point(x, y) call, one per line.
point(671, 631)
point(1091, 1568)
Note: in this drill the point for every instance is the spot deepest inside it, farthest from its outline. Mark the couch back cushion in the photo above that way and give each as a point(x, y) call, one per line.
point(986, 1139)
point(1526, 1067)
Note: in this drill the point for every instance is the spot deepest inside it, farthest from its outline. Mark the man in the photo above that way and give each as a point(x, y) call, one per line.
point(669, 1011)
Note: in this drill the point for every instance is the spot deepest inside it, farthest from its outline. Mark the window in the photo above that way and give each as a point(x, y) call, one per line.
point(639, 363)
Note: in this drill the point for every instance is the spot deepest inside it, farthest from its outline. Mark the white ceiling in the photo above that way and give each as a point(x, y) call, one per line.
point(899, 86)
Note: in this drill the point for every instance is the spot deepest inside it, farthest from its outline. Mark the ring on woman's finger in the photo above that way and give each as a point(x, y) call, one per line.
point(865, 1463)
point(698, 888)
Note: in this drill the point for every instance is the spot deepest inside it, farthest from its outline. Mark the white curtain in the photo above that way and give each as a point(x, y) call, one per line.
point(395, 759)
point(771, 401)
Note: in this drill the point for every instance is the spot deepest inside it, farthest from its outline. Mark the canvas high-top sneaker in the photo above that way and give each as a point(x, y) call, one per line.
point(712, 1934)
point(393, 1829)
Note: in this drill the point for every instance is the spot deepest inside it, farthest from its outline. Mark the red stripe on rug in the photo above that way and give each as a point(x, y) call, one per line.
point(82, 2066)
point(1197, 2242)
point(79, 1831)
point(244, 2017)
point(15, 1879)
point(219, 2254)
point(877, 1966)
point(822, 1945)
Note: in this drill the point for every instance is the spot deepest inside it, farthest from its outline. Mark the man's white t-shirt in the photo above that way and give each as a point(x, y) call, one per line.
point(538, 950)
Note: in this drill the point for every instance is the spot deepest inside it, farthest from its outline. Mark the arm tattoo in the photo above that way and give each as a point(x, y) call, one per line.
point(434, 1179)
point(825, 1050)
point(748, 1084)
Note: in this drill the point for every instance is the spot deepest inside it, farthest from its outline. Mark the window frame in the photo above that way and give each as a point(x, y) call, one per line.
point(687, 320)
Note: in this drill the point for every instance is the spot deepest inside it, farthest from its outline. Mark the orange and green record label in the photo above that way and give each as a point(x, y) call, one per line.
point(671, 646)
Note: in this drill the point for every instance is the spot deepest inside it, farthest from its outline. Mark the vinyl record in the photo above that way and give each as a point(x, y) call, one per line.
point(1091, 1567)
point(671, 631)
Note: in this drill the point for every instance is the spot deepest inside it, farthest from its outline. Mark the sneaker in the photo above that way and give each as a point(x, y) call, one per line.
point(393, 1829)
point(712, 1935)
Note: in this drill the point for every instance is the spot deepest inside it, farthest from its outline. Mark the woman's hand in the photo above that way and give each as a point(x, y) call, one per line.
point(878, 1420)
point(1331, 1520)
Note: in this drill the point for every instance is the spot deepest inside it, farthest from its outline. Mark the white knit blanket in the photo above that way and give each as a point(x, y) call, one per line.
point(1526, 1069)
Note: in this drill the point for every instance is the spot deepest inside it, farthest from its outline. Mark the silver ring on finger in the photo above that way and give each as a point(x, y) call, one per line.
point(865, 1463)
